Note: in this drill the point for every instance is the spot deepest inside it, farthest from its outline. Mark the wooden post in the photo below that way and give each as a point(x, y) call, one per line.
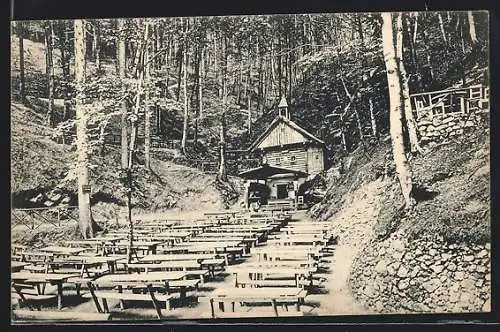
point(212, 307)
point(275, 307)
point(94, 297)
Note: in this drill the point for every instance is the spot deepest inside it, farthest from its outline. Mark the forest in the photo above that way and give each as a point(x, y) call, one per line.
point(288, 165)
point(201, 89)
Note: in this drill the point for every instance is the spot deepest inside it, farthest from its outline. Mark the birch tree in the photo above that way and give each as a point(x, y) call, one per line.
point(120, 50)
point(411, 124)
point(147, 108)
point(389, 40)
point(472, 27)
point(222, 142)
point(184, 91)
point(82, 143)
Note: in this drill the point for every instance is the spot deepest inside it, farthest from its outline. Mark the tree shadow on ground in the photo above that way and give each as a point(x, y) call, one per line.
point(421, 193)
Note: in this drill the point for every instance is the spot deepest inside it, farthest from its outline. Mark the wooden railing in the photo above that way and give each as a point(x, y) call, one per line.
point(461, 100)
point(35, 217)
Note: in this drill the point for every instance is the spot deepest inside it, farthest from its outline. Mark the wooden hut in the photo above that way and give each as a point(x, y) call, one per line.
point(289, 155)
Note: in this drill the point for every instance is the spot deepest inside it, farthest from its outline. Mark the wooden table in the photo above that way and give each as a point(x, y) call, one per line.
point(16, 266)
point(148, 246)
point(137, 278)
point(271, 294)
point(258, 272)
point(36, 278)
point(94, 260)
point(184, 265)
point(212, 263)
point(63, 251)
point(286, 253)
point(178, 257)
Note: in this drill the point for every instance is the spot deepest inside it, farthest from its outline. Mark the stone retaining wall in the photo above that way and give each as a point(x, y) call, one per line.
point(423, 276)
point(442, 126)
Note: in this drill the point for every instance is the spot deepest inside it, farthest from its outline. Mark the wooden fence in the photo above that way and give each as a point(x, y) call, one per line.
point(35, 217)
point(461, 100)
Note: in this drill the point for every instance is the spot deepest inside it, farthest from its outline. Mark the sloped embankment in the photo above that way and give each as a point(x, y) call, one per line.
point(43, 174)
point(435, 258)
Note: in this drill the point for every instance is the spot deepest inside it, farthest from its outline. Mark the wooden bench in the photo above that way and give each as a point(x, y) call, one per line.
point(30, 295)
point(311, 282)
point(155, 298)
point(57, 316)
point(257, 314)
point(39, 260)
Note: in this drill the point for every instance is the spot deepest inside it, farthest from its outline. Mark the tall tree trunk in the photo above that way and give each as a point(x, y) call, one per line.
point(428, 54)
point(222, 163)
point(135, 118)
point(413, 51)
point(249, 117)
point(22, 85)
point(396, 104)
point(133, 134)
point(121, 72)
point(411, 124)
point(280, 91)
point(472, 27)
point(441, 28)
point(180, 59)
point(200, 84)
point(373, 119)
point(222, 143)
point(65, 59)
point(97, 38)
point(273, 71)
point(199, 74)
point(462, 39)
point(185, 95)
point(415, 28)
point(342, 133)
point(147, 108)
point(49, 71)
point(359, 27)
point(356, 112)
point(82, 144)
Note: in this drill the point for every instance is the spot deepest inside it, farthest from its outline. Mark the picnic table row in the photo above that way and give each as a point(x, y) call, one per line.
point(286, 268)
point(186, 251)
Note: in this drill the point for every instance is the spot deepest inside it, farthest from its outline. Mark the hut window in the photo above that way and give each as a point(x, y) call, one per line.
point(278, 160)
point(292, 160)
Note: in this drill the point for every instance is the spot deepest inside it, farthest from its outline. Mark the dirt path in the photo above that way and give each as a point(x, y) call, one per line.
point(353, 223)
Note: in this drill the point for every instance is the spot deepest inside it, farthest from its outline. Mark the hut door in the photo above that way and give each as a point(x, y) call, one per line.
point(282, 191)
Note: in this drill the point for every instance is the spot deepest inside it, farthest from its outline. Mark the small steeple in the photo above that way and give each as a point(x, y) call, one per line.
point(283, 108)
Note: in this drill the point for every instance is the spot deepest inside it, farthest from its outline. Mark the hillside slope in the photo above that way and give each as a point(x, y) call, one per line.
point(435, 258)
point(43, 175)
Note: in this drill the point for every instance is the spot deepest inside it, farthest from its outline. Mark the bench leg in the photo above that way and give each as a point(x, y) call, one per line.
point(155, 302)
point(94, 297)
point(122, 303)
point(105, 305)
point(167, 305)
point(232, 306)
point(212, 307)
point(59, 295)
point(275, 308)
point(183, 294)
point(298, 305)
point(78, 286)
point(221, 306)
